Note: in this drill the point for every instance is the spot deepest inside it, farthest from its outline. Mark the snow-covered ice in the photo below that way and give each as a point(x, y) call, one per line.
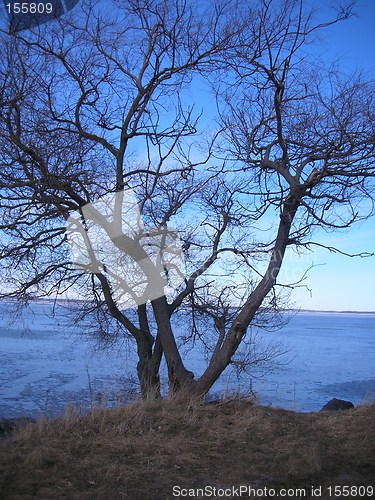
point(46, 363)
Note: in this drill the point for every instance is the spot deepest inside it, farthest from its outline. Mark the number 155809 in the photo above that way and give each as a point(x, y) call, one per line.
point(29, 8)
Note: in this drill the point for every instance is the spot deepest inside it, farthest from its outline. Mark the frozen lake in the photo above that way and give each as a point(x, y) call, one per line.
point(45, 364)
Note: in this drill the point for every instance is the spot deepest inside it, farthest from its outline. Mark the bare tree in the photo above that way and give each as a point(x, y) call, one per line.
point(93, 105)
point(76, 95)
point(302, 135)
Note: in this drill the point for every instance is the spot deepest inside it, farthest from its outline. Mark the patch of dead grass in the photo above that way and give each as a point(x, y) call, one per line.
point(142, 450)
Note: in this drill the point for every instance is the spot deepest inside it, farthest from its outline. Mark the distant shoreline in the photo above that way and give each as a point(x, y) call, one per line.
point(77, 301)
point(327, 312)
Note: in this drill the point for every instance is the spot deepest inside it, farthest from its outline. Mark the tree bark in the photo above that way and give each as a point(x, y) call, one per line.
point(148, 369)
point(180, 379)
point(222, 357)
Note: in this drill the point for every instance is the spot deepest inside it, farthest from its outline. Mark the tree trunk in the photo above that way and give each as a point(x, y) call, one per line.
point(148, 379)
point(148, 359)
point(180, 379)
point(222, 357)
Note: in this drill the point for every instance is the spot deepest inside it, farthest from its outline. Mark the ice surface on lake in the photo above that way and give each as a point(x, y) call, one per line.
point(46, 363)
point(333, 357)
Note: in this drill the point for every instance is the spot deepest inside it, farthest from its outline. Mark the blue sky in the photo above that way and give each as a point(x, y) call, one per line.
point(354, 40)
point(338, 282)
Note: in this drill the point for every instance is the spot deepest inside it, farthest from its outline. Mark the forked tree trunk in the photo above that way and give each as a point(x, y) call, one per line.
point(180, 379)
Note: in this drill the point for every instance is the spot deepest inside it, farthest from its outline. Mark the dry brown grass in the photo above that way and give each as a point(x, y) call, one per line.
point(141, 451)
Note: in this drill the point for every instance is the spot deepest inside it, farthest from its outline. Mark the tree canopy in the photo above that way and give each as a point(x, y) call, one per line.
point(100, 102)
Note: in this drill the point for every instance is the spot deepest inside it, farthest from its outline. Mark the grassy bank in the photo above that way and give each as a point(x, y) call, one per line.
point(141, 451)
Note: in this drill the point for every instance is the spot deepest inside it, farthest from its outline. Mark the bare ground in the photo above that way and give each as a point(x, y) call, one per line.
point(143, 450)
